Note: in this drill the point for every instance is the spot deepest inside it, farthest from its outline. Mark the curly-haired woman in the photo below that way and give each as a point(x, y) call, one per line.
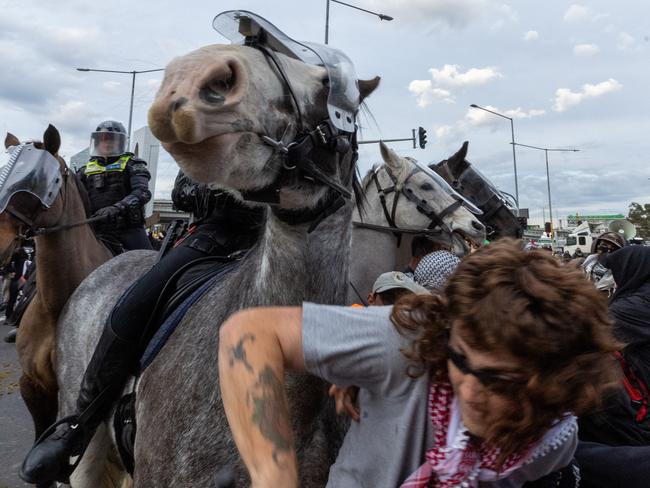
point(474, 386)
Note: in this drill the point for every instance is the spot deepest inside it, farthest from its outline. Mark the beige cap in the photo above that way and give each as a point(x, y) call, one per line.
point(395, 279)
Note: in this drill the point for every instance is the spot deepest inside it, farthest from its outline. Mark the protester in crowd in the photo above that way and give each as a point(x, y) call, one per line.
point(626, 421)
point(391, 286)
point(617, 446)
point(434, 269)
point(16, 277)
point(597, 272)
point(387, 289)
point(420, 247)
point(455, 387)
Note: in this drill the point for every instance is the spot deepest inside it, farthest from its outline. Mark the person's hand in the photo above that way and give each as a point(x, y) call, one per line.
point(346, 401)
point(109, 213)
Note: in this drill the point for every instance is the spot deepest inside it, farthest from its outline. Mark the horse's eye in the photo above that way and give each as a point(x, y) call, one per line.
point(426, 186)
point(326, 81)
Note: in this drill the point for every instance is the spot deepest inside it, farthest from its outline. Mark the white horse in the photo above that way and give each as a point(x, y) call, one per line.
point(404, 198)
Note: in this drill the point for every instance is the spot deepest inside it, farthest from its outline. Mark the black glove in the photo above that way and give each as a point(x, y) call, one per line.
point(110, 213)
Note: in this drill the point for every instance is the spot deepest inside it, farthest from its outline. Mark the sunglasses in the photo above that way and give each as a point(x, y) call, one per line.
point(493, 380)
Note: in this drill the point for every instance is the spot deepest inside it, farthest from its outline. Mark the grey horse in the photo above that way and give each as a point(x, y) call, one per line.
point(215, 111)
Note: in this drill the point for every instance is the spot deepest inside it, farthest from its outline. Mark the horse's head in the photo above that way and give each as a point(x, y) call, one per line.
point(416, 198)
point(26, 193)
point(498, 213)
point(220, 108)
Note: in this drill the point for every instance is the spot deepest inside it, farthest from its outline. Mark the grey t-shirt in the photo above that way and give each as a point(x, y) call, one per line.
point(360, 346)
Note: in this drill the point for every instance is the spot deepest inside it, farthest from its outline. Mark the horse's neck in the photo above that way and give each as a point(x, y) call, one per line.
point(64, 258)
point(372, 253)
point(295, 266)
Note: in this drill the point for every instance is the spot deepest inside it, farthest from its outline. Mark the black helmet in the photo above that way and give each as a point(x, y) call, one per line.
point(111, 126)
point(108, 140)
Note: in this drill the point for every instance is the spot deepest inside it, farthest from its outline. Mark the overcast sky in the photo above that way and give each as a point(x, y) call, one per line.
point(572, 75)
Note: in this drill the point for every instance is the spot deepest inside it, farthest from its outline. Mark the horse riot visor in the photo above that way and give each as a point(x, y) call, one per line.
point(243, 27)
point(337, 133)
point(30, 170)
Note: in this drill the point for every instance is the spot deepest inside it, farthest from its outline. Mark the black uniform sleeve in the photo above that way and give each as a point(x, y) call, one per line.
point(184, 193)
point(139, 178)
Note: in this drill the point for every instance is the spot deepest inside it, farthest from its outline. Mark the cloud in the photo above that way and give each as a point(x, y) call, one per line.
point(111, 86)
point(450, 75)
point(577, 13)
point(444, 132)
point(455, 14)
point(565, 98)
point(531, 35)
point(586, 50)
point(426, 93)
point(477, 117)
point(625, 41)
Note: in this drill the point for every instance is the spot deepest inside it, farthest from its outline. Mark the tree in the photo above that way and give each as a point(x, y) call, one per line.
point(639, 215)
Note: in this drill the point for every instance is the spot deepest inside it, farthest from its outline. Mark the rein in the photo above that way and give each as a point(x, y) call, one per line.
point(57, 228)
point(436, 226)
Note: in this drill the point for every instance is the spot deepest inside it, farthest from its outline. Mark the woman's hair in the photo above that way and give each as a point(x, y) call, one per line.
point(528, 306)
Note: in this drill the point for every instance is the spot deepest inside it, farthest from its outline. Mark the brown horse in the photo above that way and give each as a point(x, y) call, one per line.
point(64, 257)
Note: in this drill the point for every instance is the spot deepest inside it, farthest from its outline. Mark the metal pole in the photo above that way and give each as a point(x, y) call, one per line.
point(327, 20)
point(133, 73)
point(514, 160)
point(550, 208)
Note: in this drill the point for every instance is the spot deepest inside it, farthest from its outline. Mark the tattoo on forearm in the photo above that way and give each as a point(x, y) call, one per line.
point(238, 353)
point(270, 411)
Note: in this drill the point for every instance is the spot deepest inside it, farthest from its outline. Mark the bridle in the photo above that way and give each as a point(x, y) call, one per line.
point(296, 156)
point(31, 229)
point(436, 224)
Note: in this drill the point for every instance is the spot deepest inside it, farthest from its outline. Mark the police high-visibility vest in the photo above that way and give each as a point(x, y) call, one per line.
point(93, 167)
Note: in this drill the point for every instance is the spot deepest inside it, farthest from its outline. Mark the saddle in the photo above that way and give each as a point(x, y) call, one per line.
point(182, 290)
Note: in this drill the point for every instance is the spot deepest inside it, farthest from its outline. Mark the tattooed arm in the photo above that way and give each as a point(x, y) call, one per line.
point(255, 347)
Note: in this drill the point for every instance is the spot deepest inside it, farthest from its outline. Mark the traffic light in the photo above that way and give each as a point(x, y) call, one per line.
point(422, 137)
point(547, 227)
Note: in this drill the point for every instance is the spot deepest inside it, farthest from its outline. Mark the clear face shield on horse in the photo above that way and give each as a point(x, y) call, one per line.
point(105, 144)
point(243, 27)
point(336, 134)
point(31, 172)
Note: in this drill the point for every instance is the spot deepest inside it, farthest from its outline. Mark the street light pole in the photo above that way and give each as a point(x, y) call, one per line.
point(548, 180)
point(327, 15)
point(132, 73)
point(514, 155)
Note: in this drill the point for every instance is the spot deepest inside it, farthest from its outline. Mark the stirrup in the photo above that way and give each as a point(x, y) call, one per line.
point(63, 476)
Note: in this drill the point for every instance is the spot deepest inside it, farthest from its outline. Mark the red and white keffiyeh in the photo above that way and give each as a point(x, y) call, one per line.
point(458, 460)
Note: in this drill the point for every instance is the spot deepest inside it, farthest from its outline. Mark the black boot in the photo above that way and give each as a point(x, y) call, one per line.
point(112, 363)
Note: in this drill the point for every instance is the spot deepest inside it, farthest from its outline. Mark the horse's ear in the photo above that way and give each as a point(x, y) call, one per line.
point(136, 149)
point(11, 140)
point(51, 140)
point(458, 162)
point(366, 87)
point(389, 156)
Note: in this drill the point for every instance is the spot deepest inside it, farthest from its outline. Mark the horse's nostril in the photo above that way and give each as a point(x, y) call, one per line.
point(477, 225)
point(176, 104)
point(210, 96)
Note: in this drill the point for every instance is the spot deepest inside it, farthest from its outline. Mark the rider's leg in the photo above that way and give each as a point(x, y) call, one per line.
point(114, 360)
point(134, 238)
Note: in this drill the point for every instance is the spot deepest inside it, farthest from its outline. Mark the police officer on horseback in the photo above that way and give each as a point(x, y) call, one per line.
point(117, 183)
point(223, 227)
